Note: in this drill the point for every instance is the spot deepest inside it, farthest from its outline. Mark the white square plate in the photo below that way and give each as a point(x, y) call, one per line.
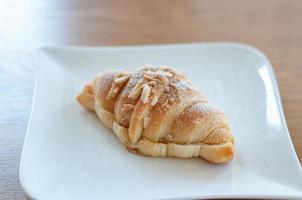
point(69, 154)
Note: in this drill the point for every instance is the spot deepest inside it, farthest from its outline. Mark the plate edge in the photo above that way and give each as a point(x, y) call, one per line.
point(29, 124)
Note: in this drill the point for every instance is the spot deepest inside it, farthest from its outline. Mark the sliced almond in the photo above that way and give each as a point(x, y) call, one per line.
point(150, 74)
point(167, 69)
point(137, 89)
point(147, 67)
point(164, 73)
point(154, 101)
point(148, 78)
point(136, 93)
point(164, 79)
point(122, 79)
point(114, 89)
point(145, 94)
point(163, 76)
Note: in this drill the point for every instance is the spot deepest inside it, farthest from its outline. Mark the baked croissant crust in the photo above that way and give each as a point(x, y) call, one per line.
point(156, 111)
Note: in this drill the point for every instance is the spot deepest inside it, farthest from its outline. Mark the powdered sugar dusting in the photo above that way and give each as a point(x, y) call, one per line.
point(205, 109)
point(183, 85)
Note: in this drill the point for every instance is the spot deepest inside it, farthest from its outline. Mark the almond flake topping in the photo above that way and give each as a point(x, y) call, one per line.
point(146, 93)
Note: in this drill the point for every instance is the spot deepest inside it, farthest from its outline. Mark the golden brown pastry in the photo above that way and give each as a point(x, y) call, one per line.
point(157, 112)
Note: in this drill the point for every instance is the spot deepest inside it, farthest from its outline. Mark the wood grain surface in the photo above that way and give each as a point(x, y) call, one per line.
point(274, 27)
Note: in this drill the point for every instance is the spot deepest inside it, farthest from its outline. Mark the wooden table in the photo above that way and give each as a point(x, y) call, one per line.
point(275, 27)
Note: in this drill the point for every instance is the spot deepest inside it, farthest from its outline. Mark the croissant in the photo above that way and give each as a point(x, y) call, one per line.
point(157, 112)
